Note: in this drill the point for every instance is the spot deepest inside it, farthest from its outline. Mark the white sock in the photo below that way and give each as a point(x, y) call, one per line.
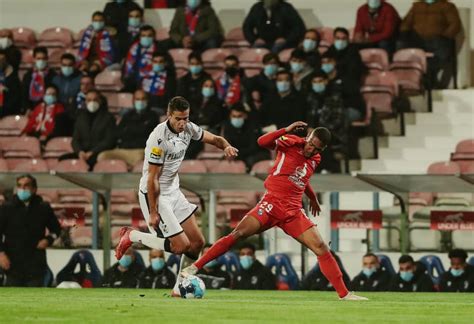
point(150, 240)
point(185, 262)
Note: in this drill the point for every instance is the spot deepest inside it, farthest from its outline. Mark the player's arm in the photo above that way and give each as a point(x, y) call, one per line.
point(268, 140)
point(221, 143)
point(314, 207)
point(153, 192)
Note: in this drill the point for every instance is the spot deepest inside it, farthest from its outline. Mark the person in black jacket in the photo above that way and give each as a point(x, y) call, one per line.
point(242, 132)
point(132, 132)
point(372, 277)
point(315, 280)
point(10, 88)
point(310, 47)
point(13, 53)
point(410, 278)
point(124, 273)
point(262, 86)
point(189, 86)
point(23, 242)
point(94, 130)
point(273, 24)
point(157, 275)
point(213, 275)
point(37, 79)
point(126, 39)
point(460, 276)
point(252, 275)
point(116, 14)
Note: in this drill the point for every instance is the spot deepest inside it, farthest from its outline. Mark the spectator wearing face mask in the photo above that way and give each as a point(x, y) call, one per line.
point(372, 277)
point(127, 38)
point(97, 47)
point(410, 278)
point(309, 45)
point(10, 88)
point(24, 222)
point(287, 106)
point(132, 132)
point(68, 81)
point(124, 273)
point(196, 25)
point(252, 275)
point(460, 276)
point(213, 275)
point(87, 84)
point(11, 51)
point(273, 24)
point(37, 79)
point(43, 120)
point(242, 132)
point(189, 86)
point(377, 25)
point(116, 14)
point(300, 70)
point(94, 130)
point(230, 85)
point(316, 97)
point(157, 275)
point(262, 85)
point(209, 110)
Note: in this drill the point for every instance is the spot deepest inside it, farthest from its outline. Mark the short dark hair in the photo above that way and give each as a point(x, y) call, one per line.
point(319, 74)
point(160, 53)
point(270, 56)
point(458, 253)
point(232, 58)
point(406, 259)
point(328, 55)
point(40, 49)
point(324, 136)
point(98, 13)
point(137, 9)
point(238, 106)
point(284, 71)
point(68, 56)
point(178, 103)
point(53, 87)
point(370, 254)
point(313, 30)
point(195, 55)
point(147, 27)
point(298, 54)
point(247, 245)
point(341, 30)
point(34, 183)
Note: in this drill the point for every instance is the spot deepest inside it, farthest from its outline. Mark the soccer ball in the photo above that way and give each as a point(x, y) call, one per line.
point(191, 287)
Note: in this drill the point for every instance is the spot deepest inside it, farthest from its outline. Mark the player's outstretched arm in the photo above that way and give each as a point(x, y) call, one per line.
point(220, 142)
point(268, 140)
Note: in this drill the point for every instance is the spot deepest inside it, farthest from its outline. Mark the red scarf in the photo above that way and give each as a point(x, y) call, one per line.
point(103, 43)
point(228, 90)
point(2, 87)
point(139, 58)
point(37, 87)
point(191, 20)
point(43, 119)
point(155, 83)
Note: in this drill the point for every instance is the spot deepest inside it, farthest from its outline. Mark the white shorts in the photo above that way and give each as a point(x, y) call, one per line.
point(174, 209)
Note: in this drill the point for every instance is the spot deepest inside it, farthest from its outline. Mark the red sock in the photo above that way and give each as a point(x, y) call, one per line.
point(216, 250)
point(331, 271)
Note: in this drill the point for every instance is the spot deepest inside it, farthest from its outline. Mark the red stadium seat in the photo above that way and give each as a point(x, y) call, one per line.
point(229, 167)
point(468, 168)
point(124, 196)
point(262, 167)
point(57, 146)
point(192, 166)
point(109, 80)
point(54, 57)
point(285, 55)
point(252, 57)
point(119, 101)
point(464, 155)
point(446, 167)
point(180, 57)
point(27, 59)
point(137, 168)
point(111, 166)
point(409, 65)
point(77, 38)
point(250, 72)
point(214, 58)
point(23, 37)
point(73, 165)
point(12, 125)
point(31, 165)
point(382, 82)
point(235, 38)
point(56, 37)
point(22, 147)
point(378, 91)
point(465, 146)
point(248, 198)
point(327, 36)
point(3, 165)
point(375, 58)
point(162, 33)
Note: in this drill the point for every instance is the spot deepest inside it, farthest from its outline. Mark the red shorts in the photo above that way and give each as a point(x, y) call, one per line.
point(270, 212)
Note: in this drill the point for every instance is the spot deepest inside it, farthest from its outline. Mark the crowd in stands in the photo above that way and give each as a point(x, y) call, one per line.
point(319, 81)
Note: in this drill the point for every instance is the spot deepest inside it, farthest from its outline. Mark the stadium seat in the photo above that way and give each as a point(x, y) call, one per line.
point(229, 167)
point(464, 155)
point(252, 57)
point(23, 37)
point(27, 59)
point(379, 90)
point(57, 146)
point(180, 57)
point(49, 195)
point(21, 147)
point(72, 165)
point(111, 166)
point(235, 38)
point(231, 262)
point(108, 80)
point(123, 197)
point(214, 58)
point(77, 38)
point(237, 197)
point(31, 165)
point(444, 168)
point(285, 55)
point(409, 66)
point(54, 57)
point(162, 33)
point(81, 236)
point(262, 167)
point(386, 263)
point(3, 165)
point(56, 37)
point(280, 265)
point(251, 72)
point(381, 82)
point(12, 125)
point(119, 101)
point(192, 166)
point(434, 266)
point(327, 36)
point(210, 152)
point(375, 58)
point(467, 168)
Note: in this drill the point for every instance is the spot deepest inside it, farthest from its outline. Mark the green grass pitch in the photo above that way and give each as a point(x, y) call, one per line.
point(38, 305)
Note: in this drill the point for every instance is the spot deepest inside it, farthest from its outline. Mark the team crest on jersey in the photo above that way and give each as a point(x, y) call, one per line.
point(156, 153)
point(298, 175)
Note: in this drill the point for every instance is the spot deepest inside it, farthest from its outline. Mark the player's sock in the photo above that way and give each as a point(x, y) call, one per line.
point(216, 250)
point(150, 240)
point(186, 261)
point(333, 273)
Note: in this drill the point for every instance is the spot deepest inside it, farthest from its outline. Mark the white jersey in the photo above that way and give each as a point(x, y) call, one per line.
point(166, 147)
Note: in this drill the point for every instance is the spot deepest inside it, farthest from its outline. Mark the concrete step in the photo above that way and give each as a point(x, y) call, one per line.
point(446, 130)
point(445, 119)
point(425, 142)
point(461, 96)
point(452, 107)
point(396, 166)
point(413, 154)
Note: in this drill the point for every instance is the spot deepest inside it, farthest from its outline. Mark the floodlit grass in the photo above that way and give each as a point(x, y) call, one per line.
point(18, 305)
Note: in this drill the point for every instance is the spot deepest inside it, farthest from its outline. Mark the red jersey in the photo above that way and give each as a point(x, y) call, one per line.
point(292, 170)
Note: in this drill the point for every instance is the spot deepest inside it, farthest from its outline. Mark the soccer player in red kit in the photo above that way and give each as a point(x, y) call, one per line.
point(296, 161)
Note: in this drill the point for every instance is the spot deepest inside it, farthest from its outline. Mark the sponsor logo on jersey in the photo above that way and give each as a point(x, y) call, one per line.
point(156, 153)
point(298, 175)
point(176, 156)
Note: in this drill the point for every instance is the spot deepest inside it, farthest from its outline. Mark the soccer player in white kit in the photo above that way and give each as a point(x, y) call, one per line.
point(169, 215)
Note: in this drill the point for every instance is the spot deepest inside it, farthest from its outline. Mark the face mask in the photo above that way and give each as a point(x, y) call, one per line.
point(327, 68)
point(23, 194)
point(340, 44)
point(195, 69)
point(246, 261)
point(139, 105)
point(92, 106)
point(207, 92)
point(49, 99)
point(283, 86)
point(120, 1)
point(41, 64)
point(67, 70)
point(319, 87)
point(270, 70)
point(193, 4)
point(125, 261)
point(237, 122)
point(97, 25)
point(211, 264)
point(373, 4)
point(406, 275)
point(309, 45)
point(5, 42)
point(158, 67)
point(456, 272)
point(134, 21)
point(146, 41)
point(232, 71)
point(368, 271)
point(430, 1)
point(296, 67)
point(157, 264)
